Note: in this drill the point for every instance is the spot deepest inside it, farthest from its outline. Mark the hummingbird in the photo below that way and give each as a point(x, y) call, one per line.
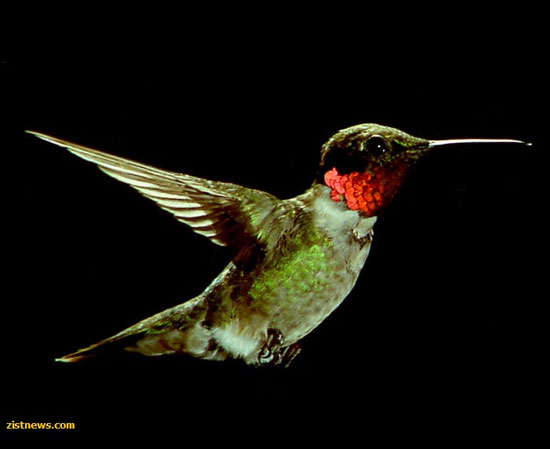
point(293, 261)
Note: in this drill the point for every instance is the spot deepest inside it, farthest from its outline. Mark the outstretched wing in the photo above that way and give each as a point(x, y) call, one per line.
point(228, 214)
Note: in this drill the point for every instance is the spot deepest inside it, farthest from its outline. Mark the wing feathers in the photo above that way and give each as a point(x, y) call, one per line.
point(223, 212)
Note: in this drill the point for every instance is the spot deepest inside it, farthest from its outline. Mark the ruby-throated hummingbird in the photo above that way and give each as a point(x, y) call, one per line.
point(293, 261)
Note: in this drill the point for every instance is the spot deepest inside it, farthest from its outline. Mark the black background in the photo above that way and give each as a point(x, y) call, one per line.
point(442, 331)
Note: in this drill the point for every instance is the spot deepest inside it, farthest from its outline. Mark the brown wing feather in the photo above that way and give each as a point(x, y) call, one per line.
point(225, 213)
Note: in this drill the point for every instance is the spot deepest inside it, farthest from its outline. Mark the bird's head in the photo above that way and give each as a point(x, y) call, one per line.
point(365, 165)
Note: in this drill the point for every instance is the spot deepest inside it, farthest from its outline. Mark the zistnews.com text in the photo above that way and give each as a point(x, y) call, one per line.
point(23, 425)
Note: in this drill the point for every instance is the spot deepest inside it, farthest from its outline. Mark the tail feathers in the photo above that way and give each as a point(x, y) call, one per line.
point(75, 356)
point(111, 344)
point(161, 333)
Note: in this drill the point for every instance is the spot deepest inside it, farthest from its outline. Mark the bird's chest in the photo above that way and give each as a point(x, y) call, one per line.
point(308, 283)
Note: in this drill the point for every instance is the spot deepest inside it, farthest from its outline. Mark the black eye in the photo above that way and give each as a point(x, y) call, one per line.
point(377, 146)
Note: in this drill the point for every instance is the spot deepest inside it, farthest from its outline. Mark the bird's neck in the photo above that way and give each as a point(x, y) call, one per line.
point(334, 217)
point(367, 191)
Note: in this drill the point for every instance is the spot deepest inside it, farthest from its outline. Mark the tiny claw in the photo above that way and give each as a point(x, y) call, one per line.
point(290, 353)
point(271, 350)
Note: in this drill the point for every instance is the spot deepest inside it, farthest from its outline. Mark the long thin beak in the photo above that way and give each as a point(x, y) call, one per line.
point(437, 143)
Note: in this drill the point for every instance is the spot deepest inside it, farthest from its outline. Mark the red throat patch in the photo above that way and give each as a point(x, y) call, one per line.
point(368, 191)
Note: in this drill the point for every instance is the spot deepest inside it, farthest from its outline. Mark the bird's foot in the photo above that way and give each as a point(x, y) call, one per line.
point(274, 352)
point(270, 353)
point(290, 353)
